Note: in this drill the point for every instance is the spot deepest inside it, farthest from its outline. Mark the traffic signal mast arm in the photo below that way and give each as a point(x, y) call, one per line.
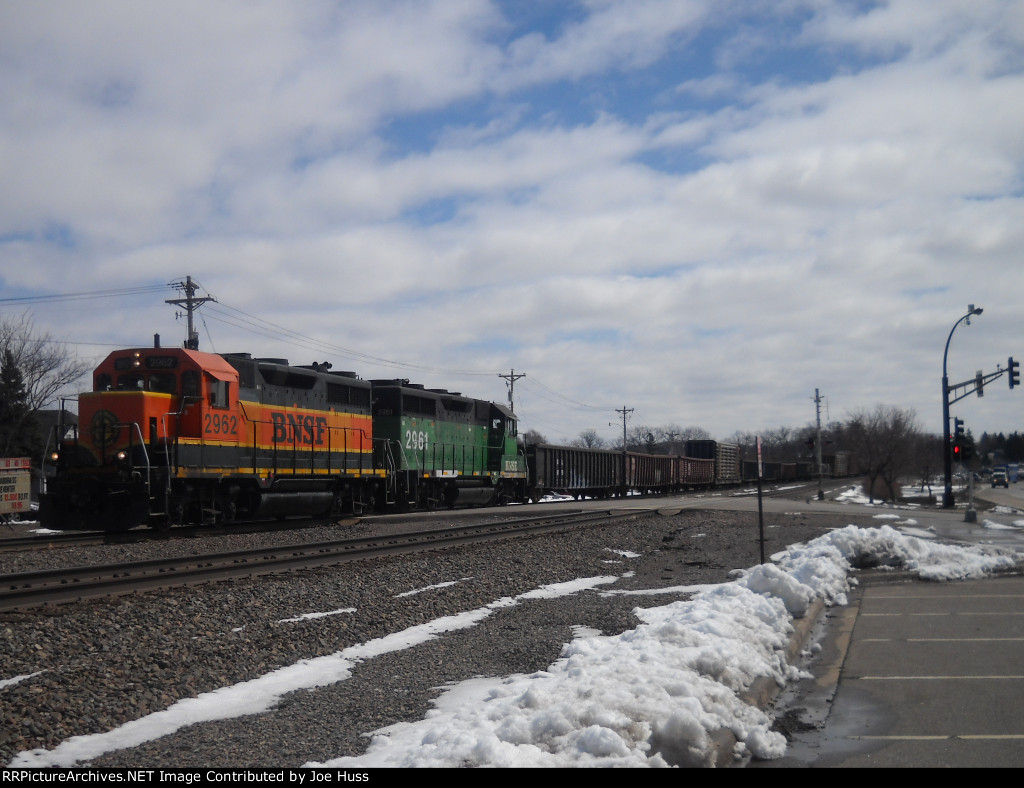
point(976, 384)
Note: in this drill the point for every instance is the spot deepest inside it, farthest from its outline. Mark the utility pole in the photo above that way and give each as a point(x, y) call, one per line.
point(625, 416)
point(191, 304)
point(817, 442)
point(510, 381)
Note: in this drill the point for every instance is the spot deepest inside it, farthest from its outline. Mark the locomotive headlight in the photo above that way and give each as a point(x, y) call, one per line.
point(122, 455)
point(55, 456)
point(137, 360)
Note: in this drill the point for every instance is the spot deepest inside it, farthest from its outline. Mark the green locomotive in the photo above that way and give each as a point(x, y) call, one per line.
point(442, 449)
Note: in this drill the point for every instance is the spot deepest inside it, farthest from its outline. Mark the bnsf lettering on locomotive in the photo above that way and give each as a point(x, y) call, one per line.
point(305, 430)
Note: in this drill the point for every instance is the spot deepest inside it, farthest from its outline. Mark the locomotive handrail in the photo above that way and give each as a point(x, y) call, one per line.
point(145, 454)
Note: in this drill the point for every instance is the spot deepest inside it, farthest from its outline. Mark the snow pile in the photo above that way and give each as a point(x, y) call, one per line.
point(885, 547)
point(648, 697)
point(656, 695)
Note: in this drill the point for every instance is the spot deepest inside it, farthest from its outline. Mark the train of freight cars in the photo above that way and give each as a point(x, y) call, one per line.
point(172, 435)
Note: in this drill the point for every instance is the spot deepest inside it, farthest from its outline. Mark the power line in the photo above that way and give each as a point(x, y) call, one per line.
point(245, 321)
point(274, 331)
point(83, 296)
point(562, 399)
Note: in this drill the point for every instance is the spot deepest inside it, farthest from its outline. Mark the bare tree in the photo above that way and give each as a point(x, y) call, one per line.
point(929, 459)
point(662, 440)
point(44, 364)
point(902, 436)
point(883, 442)
point(589, 439)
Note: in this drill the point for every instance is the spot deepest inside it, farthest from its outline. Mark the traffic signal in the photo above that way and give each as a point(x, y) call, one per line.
point(956, 452)
point(958, 430)
point(1014, 369)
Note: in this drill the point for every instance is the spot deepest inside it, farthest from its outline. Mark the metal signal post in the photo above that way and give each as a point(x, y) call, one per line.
point(947, 453)
point(975, 385)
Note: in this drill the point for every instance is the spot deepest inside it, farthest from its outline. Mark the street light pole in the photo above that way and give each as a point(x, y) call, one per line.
point(947, 451)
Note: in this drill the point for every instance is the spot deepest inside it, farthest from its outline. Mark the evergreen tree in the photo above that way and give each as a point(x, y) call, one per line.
point(17, 425)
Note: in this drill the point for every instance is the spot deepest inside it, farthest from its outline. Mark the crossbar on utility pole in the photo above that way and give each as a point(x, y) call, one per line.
point(191, 304)
point(511, 379)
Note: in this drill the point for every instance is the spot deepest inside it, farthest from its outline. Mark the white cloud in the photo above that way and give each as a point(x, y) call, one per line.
point(702, 210)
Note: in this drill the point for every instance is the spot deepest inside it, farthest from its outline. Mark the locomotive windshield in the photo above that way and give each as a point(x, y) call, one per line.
point(138, 373)
point(159, 382)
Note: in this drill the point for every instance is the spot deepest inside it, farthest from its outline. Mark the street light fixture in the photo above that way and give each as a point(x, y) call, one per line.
point(947, 454)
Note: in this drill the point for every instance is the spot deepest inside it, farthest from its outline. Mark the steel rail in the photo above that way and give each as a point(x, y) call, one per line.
point(58, 586)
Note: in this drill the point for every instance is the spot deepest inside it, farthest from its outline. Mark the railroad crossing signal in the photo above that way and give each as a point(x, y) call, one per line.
point(1013, 367)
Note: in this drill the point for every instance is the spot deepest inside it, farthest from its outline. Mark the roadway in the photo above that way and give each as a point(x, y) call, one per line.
point(915, 674)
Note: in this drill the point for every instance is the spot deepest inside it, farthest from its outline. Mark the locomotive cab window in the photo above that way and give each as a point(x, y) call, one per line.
point(163, 383)
point(219, 393)
point(190, 383)
point(133, 382)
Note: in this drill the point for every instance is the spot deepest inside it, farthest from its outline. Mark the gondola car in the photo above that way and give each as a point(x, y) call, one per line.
point(605, 473)
point(693, 473)
point(725, 455)
point(570, 470)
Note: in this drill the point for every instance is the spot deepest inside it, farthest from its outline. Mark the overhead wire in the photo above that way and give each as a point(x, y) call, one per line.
point(264, 327)
point(561, 399)
point(232, 316)
point(82, 296)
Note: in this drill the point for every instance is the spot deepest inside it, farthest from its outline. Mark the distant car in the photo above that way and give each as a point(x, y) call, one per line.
point(999, 479)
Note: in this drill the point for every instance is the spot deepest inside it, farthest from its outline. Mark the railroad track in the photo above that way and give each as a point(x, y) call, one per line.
point(58, 586)
point(80, 538)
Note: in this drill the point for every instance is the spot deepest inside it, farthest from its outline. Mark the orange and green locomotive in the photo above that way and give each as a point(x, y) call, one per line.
point(175, 435)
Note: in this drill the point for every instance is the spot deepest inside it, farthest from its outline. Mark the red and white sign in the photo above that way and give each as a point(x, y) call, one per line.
point(15, 485)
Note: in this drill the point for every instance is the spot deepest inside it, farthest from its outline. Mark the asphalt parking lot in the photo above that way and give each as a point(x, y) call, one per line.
point(916, 674)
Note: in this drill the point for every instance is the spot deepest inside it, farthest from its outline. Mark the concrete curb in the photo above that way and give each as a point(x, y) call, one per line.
point(765, 689)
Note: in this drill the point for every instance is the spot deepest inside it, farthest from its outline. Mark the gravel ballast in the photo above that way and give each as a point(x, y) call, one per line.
point(100, 664)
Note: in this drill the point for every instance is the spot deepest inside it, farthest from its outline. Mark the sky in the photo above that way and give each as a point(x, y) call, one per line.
point(688, 662)
point(698, 211)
